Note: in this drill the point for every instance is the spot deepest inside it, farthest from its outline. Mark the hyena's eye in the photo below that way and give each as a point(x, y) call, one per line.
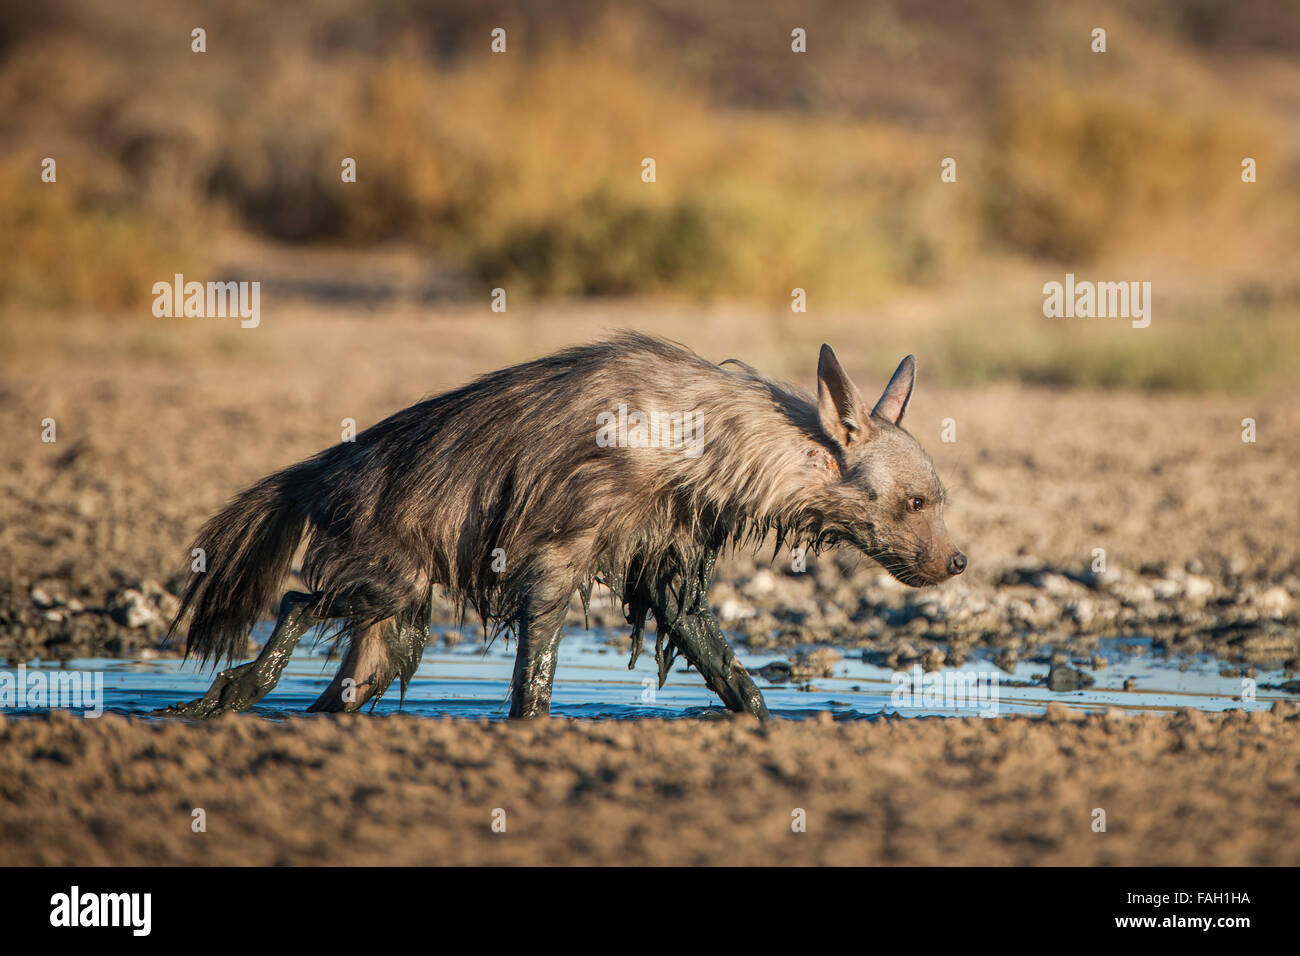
point(915, 504)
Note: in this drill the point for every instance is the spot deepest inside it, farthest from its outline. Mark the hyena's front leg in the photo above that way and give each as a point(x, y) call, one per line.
point(681, 608)
point(700, 638)
point(239, 688)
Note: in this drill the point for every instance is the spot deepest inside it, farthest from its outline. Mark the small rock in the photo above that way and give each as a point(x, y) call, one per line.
point(733, 610)
point(1275, 601)
point(761, 584)
point(809, 665)
point(932, 660)
point(1081, 611)
point(1164, 589)
point(777, 672)
point(163, 601)
point(1198, 588)
point(1008, 661)
point(130, 608)
point(1063, 677)
point(1058, 713)
point(1056, 584)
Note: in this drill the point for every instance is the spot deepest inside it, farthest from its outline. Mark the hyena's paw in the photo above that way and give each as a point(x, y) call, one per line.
point(236, 689)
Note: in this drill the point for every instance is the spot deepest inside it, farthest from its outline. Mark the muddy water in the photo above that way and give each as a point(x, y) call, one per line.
point(592, 681)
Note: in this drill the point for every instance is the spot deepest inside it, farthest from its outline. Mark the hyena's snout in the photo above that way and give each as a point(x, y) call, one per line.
point(943, 565)
point(939, 559)
point(947, 559)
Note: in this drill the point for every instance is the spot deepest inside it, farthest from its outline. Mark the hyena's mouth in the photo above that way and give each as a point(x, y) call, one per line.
point(903, 569)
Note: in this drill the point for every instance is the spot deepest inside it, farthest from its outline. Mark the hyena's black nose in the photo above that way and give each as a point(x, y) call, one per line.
point(957, 563)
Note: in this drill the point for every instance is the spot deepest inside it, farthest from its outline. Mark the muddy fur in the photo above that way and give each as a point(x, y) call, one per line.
point(500, 493)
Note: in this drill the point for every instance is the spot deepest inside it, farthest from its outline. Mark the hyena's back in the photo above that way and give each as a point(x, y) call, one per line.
point(512, 460)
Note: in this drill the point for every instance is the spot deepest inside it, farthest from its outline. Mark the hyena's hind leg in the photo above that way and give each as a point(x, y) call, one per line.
point(375, 657)
point(540, 626)
point(239, 688)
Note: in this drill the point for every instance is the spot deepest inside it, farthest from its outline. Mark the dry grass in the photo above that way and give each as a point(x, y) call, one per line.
point(773, 171)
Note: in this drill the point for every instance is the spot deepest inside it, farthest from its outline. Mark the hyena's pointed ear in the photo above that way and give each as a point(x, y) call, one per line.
point(839, 403)
point(893, 401)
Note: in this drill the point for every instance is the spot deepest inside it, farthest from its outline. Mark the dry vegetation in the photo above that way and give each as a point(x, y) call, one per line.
point(774, 170)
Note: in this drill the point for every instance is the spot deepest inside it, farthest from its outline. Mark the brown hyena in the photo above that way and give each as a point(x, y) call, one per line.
point(631, 462)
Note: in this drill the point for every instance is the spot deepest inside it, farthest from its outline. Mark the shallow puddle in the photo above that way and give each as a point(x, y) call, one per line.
point(593, 681)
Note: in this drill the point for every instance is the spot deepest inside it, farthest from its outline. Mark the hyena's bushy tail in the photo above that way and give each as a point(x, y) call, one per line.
point(247, 548)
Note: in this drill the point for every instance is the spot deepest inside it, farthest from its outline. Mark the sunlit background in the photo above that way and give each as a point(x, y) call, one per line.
point(775, 170)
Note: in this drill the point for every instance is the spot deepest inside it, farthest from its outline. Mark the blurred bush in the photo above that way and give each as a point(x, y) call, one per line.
point(774, 171)
point(58, 250)
point(1074, 167)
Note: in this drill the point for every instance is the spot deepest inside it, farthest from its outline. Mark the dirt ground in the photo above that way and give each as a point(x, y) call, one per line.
point(1186, 789)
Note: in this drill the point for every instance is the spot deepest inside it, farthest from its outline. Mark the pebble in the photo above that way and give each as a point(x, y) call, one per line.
point(1063, 677)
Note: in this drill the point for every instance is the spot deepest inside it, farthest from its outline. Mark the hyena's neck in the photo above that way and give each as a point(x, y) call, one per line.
point(761, 474)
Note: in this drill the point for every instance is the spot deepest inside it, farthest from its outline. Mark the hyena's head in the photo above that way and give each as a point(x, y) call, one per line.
point(882, 494)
